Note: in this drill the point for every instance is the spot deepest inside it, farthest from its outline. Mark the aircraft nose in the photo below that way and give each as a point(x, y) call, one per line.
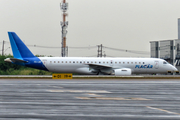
point(174, 69)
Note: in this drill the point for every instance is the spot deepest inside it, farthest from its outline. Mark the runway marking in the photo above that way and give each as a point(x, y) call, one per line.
point(110, 98)
point(80, 91)
point(56, 86)
point(94, 94)
point(162, 110)
point(50, 86)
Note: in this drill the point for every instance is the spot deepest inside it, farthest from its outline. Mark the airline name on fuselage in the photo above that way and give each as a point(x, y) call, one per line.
point(144, 66)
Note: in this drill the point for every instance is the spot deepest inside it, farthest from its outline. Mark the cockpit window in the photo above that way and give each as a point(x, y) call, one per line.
point(165, 62)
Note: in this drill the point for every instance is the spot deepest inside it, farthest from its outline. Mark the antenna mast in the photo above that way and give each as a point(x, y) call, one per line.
point(64, 25)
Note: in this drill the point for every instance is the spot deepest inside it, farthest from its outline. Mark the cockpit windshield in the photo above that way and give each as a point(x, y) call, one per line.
point(164, 62)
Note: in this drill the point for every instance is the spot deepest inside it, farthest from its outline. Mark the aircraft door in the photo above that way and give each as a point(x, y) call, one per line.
point(111, 62)
point(156, 64)
point(44, 62)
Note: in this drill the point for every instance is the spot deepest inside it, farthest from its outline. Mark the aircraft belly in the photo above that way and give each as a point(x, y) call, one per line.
point(85, 70)
point(148, 71)
point(61, 69)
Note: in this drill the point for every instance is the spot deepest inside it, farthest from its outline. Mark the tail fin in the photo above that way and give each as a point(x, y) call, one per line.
point(22, 55)
point(19, 49)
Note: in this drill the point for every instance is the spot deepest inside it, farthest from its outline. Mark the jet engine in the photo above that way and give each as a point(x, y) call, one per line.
point(123, 71)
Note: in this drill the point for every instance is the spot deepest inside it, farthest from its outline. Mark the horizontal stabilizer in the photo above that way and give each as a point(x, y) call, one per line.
point(15, 60)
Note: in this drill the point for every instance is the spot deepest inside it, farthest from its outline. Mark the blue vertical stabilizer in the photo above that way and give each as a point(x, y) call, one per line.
point(22, 55)
point(19, 49)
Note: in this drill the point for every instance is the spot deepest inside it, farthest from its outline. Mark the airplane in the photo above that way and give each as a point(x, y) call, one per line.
point(86, 65)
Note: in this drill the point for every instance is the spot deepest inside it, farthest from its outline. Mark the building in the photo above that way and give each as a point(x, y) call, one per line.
point(167, 49)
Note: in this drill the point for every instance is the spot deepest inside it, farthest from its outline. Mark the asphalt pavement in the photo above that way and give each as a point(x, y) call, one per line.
point(35, 99)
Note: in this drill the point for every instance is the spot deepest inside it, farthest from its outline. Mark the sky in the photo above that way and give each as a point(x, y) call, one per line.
point(121, 24)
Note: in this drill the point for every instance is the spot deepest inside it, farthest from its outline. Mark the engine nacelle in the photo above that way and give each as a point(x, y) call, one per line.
point(123, 71)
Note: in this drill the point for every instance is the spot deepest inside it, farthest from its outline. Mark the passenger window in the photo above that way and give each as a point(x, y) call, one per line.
point(143, 62)
point(50, 61)
point(139, 62)
point(123, 62)
point(58, 61)
point(80, 62)
point(54, 61)
point(131, 62)
point(77, 62)
point(99, 62)
point(69, 61)
point(127, 62)
point(73, 61)
point(91, 61)
point(66, 61)
point(135, 62)
point(119, 62)
point(107, 62)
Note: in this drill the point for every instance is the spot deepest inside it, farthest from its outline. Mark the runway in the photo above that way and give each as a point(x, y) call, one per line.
point(89, 99)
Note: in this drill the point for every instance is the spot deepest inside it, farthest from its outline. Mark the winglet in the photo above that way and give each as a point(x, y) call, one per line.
point(19, 49)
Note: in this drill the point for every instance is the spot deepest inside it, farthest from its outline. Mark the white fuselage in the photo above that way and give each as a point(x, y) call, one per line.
point(82, 65)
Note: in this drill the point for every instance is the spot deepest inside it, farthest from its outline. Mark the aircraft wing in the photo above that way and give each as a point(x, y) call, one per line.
point(98, 67)
point(101, 68)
